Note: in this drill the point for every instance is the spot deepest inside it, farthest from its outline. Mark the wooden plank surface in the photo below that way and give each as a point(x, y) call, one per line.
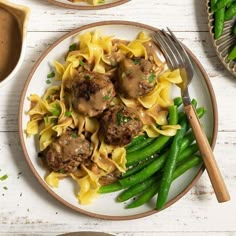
point(27, 209)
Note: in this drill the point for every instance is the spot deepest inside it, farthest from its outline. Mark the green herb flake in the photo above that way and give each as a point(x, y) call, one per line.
point(46, 119)
point(81, 63)
point(74, 135)
point(106, 97)
point(136, 61)
point(68, 113)
point(5, 188)
point(151, 78)
point(119, 118)
point(101, 1)
point(57, 110)
point(4, 177)
point(48, 81)
point(72, 47)
point(51, 75)
point(86, 77)
point(62, 171)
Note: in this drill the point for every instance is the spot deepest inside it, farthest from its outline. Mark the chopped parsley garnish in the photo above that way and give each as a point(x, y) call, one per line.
point(46, 118)
point(72, 47)
point(48, 81)
point(57, 110)
point(5, 188)
point(136, 61)
point(122, 119)
point(106, 97)
point(101, 1)
point(74, 135)
point(81, 63)
point(119, 118)
point(68, 113)
point(151, 78)
point(62, 171)
point(4, 177)
point(51, 75)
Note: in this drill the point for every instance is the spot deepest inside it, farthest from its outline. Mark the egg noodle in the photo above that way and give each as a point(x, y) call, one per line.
point(52, 114)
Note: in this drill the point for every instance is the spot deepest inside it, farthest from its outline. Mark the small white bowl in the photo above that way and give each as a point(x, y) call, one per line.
point(21, 13)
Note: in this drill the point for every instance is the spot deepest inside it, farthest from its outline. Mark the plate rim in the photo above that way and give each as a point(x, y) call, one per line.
point(98, 7)
point(21, 131)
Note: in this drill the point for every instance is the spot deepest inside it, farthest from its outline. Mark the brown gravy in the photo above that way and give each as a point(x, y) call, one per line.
point(10, 43)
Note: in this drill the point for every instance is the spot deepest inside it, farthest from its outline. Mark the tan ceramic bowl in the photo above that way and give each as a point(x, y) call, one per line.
point(21, 14)
point(84, 6)
point(224, 44)
point(104, 206)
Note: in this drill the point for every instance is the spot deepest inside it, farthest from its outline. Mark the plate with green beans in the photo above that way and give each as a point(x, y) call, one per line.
point(222, 27)
point(160, 170)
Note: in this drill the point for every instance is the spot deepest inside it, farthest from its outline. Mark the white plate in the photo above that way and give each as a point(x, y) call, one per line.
point(105, 206)
point(86, 6)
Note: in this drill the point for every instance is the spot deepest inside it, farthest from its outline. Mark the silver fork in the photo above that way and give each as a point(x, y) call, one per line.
point(178, 58)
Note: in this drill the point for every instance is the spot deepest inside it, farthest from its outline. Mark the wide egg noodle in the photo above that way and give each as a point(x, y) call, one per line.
point(166, 130)
point(89, 185)
point(53, 178)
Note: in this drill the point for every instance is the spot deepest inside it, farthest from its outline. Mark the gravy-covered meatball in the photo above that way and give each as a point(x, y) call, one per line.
point(91, 93)
point(135, 77)
point(119, 125)
point(67, 152)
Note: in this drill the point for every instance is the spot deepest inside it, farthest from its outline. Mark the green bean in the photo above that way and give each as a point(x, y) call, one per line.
point(230, 12)
point(145, 173)
point(219, 22)
point(157, 145)
point(187, 140)
point(110, 188)
point(232, 54)
point(136, 141)
point(213, 5)
point(139, 166)
point(178, 101)
point(194, 102)
point(170, 164)
point(154, 188)
point(222, 4)
point(173, 115)
point(136, 189)
point(141, 145)
point(189, 151)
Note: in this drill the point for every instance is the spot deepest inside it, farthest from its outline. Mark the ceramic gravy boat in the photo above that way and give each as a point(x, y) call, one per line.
point(15, 16)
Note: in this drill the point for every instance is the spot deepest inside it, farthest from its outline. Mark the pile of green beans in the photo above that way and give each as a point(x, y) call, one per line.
point(152, 169)
point(224, 10)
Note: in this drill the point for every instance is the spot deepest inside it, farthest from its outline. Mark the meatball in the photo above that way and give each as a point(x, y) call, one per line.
point(135, 77)
point(119, 125)
point(67, 152)
point(91, 93)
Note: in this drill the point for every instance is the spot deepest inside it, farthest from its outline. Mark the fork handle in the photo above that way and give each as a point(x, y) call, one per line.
point(213, 171)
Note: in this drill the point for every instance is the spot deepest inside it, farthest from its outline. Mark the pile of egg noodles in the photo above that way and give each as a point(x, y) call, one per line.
point(51, 114)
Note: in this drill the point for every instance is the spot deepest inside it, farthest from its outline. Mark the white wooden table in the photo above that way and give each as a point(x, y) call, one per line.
point(27, 209)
